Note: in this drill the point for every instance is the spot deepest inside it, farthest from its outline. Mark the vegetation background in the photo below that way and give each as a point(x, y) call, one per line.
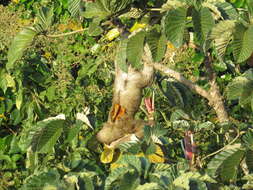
point(57, 72)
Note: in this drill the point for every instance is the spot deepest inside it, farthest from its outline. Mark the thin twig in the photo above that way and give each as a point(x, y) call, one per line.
point(65, 34)
point(223, 148)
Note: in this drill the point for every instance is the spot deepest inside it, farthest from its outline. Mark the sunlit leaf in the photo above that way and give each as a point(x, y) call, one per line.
point(21, 41)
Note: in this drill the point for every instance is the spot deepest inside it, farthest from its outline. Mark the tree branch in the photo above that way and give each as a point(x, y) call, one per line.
point(176, 75)
point(212, 95)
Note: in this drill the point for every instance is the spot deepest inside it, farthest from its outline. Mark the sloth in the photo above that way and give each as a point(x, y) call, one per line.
point(126, 101)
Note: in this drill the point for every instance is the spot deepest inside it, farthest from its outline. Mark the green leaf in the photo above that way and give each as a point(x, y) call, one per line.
point(243, 42)
point(116, 174)
point(74, 7)
point(135, 49)
point(235, 88)
point(227, 11)
point(48, 132)
point(248, 140)
point(96, 9)
point(94, 28)
point(225, 164)
point(157, 43)
point(73, 132)
point(221, 35)
point(121, 56)
point(149, 186)
point(220, 66)
point(43, 181)
point(51, 93)
point(203, 22)
point(21, 41)
point(104, 8)
point(19, 99)
point(249, 160)
point(45, 19)
point(174, 24)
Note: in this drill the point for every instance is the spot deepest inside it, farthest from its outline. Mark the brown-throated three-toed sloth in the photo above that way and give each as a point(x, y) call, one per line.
point(127, 97)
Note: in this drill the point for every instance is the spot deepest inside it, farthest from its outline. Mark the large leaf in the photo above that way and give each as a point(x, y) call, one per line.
point(43, 181)
point(74, 7)
point(225, 164)
point(21, 41)
point(203, 22)
point(222, 34)
point(157, 44)
point(121, 56)
point(44, 18)
point(243, 42)
point(242, 88)
point(104, 8)
point(46, 135)
point(135, 49)
point(227, 10)
point(174, 24)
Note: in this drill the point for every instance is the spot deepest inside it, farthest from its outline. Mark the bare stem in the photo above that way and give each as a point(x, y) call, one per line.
point(65, 34)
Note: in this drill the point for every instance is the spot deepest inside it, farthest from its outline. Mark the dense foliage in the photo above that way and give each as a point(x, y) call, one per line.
point(57, 71)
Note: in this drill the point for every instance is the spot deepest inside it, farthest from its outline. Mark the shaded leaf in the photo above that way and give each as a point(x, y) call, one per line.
point(203, 22)
point(47, 133)
point(225, 164)
point(174, 24)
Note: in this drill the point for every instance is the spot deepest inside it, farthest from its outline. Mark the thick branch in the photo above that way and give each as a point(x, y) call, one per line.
point(213, 95)
point(176, 75)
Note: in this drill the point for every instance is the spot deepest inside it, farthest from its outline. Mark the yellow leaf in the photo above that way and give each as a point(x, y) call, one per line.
point(2, 98)
point(15, 1)
point(107, 155)
point(158, 156)
point(170, 45)
point(137, 26)
point(112, 34)
point(2, 116)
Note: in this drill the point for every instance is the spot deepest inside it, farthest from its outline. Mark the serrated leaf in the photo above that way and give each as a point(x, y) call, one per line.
point(74, 7)
point(47, 134)
point(135, 49)
point(157, 44)
point(243, 42)
point(174, 24)
point(21, 41)
point(202, 22)
point(225, 164)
